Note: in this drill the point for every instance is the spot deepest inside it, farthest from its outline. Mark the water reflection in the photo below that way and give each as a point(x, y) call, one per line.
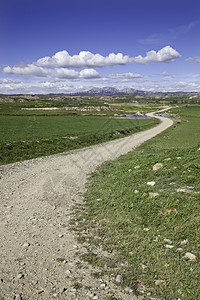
point(133, 116)
point(164, 115)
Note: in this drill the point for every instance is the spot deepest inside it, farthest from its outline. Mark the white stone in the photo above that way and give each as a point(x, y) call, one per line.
point(179, 249)
point(26, 244)
point(20, 275)
point(181, 190)
point(118, 278)
point(151, 183)
point(168, 241)
point(68, 272)
point(146, 229)
point(153, 195)
point(184, 242)
point(169, 246)
point(136, 191)
point(136, 167)
point(190, 256)
point(159, 281)
point(127, 289)
point(143, 266)
point(157, 166)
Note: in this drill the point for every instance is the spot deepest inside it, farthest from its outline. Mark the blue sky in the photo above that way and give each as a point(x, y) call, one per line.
point(66, 46)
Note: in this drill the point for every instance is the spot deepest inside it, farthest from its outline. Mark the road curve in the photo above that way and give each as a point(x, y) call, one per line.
point(37, 198)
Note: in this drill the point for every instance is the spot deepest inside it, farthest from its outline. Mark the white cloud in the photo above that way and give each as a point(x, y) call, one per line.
point(59, 65)
point(83, 59)
point(89, 73)
point(62, 73)
point(196, 59)
point(186, 86)
point(101, 79)
point(125, 76)
point(38, 87)
point(9, 81)
point(28, 86)
point(166, 54)
point(32, 70)
point(55, 84)
point(86, 59)
point(28, 70)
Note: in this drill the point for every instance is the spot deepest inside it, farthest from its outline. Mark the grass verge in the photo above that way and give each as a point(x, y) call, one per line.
point(151, 226)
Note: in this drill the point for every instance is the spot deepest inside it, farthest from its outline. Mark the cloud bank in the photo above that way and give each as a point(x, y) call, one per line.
point(60, 65)
point(84, 59)
point(32, 70)
point(164, 55)
point(125, 76)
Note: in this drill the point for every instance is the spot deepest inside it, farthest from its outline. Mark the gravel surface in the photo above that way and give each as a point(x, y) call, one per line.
point(40, 256)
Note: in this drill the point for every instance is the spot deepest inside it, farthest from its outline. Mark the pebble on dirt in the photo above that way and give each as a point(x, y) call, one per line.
point(118, 278)
point(128, 290)
point(26, 244)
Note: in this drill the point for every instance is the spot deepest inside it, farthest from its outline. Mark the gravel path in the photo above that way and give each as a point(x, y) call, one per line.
point(37, 197)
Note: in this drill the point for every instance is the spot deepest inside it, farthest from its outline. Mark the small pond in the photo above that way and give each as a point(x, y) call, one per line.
point(164, 115)
point(132, 116)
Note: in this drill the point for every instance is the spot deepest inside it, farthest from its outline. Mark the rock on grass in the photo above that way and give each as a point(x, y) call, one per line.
point(190, 256)
point(157, 166)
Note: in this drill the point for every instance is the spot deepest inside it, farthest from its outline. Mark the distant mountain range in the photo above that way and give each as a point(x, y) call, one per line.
point(110, 91)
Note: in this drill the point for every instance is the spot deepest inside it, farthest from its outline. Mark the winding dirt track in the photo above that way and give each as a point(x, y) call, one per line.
point(37, 197)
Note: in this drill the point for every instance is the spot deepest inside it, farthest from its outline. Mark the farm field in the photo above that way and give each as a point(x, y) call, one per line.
point(24, 137)
point(150, 217)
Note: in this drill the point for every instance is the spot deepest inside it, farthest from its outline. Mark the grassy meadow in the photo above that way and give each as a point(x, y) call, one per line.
point(29, 134)
point(148, 221)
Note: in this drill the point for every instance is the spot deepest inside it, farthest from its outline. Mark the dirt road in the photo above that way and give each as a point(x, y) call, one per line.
point(38, 250)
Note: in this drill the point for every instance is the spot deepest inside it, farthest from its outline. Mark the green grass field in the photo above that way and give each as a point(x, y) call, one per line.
point(149, 233)
point(182, 135)
point(24, 137)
